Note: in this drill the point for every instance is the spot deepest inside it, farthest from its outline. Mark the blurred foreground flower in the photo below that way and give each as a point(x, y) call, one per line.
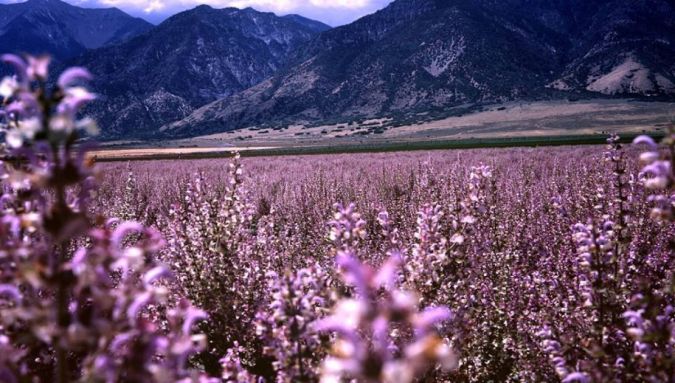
point(82, 297)
point(381, 336)
point(658, 175)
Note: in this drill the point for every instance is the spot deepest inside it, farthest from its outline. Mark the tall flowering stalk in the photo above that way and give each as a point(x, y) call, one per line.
point(95, 313)
point(430, 251)
point(600, 287)
point(381, 336)
point(129, 204)
point(627, 332)
point(437, 256)
point(298, 299)
point(658, 175)
point(650, 317)
point(220, 260)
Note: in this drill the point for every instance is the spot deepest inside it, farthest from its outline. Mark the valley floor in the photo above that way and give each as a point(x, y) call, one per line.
point(510, 124)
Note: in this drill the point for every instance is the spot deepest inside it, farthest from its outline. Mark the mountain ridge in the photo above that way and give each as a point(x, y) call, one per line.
point(63, 30)
point(192, 58)
point(418, 55)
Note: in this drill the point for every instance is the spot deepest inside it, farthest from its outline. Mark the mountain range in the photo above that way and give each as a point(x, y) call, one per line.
point(61, 29)
point(191, 59)
point(212, 70)
point(417, 56)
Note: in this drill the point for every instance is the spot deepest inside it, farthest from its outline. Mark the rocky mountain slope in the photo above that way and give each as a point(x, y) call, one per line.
point(623, 48)
point(191, 59)
point(421, 55)
point(63, 30)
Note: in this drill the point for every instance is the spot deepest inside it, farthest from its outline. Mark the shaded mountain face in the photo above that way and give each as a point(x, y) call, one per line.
point(62, 30)
point(191, 59)
point(313, 25)
point(421, 55)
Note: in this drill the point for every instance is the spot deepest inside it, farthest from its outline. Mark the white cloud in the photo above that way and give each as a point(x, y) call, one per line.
point(154, 6)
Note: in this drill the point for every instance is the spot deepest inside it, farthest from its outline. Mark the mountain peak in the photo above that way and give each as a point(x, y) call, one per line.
point(192, 58)
point(203, 7)
point(47, 3)
point(61, 29)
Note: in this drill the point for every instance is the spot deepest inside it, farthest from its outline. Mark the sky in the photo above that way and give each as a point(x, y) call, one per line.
point(331, 12)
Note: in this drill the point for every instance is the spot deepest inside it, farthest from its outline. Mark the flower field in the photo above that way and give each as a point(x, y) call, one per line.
point(503, 265)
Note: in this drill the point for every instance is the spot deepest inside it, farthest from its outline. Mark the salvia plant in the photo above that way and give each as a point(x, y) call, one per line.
point(82, 297)
point(381, 335)
point(517, 265)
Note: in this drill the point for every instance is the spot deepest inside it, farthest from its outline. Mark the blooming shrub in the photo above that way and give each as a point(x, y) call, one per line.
point(297, 302)
point(534, 265)
point(381, 336)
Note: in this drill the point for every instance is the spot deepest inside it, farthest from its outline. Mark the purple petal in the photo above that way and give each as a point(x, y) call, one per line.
point(11, 292)
point(430, 317)
point(124, 229)
point(644, 140)
point(79, 257)
point(16, 108)
point(120, 341)
point(337, 325)
point(381, 333)
point(73, 75)
point(38, 67)
point(75, 99)
point(576, 377)
point(331, 324)
point(386, 276)
point(354, 272)
point(111, 222)
point(138, 304)
point(155, 274)
point(18, 63)
point(193, 315)
point(658, 168)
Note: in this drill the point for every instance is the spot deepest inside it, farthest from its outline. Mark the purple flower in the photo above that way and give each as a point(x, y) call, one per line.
point(38, 67)
point(364, 325)
point(123, 230)
point(138, 304)
point(75, 98)
point(429, 317)
point(646, 140)
point(11, 292)
point(157, 273)
point(19, 64)
point(72, 76)
point(192, 316)
point(579, 377)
